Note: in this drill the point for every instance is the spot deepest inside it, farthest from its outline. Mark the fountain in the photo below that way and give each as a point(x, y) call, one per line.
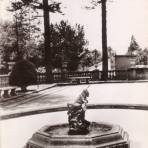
point(78, 132)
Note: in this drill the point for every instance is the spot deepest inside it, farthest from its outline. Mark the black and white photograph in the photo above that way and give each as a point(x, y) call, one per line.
point(73, 73)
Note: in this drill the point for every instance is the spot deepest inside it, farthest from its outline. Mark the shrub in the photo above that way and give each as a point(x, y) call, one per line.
point(23, 74)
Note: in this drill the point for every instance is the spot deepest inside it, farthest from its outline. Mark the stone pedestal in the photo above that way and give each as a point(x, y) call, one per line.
point(101, 135)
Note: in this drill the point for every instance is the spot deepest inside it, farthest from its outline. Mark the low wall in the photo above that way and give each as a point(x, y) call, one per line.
point(138, 73)
point(131, 74)
point(4, 80)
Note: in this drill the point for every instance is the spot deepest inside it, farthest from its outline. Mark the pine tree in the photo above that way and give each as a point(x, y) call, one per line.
point(25, 29)
point(134, 47)
point(67, 43)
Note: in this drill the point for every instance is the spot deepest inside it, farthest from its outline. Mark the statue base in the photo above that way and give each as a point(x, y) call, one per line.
point(100, 135)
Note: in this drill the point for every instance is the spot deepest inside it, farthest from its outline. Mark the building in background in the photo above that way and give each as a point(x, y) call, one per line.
point(124, 62)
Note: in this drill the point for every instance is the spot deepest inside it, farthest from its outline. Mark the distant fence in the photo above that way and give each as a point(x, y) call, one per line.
point(58, 77)
point(41, 78)
point(131, 74)
point(118, 75)
point(93, 76)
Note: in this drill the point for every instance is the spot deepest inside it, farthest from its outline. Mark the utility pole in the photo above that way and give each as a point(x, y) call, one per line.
point(104, 41)
point(47, 49)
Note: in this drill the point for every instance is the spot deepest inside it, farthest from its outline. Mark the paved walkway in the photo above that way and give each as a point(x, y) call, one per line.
point(33, 90)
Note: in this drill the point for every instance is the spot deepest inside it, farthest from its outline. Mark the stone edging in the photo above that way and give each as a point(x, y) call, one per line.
point(64, 108)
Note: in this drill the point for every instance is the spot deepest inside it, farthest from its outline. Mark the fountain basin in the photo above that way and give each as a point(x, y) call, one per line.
point(101, 135)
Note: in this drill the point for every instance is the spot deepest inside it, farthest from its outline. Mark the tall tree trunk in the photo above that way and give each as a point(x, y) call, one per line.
point(47, 53)
point(17, 41)
point(104, 41)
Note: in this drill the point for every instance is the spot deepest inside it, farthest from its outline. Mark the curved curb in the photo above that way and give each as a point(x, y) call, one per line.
point(64, 108)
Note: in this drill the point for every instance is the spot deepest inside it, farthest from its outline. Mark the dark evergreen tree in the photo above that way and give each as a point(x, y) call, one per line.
point(23, 74)
point(67, 43)
point(134, 47)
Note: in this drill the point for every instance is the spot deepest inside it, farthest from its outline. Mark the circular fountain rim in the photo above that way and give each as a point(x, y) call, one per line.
point(64, 108)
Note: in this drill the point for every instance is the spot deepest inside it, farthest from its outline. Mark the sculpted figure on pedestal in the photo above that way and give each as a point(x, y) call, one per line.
point(76, 114)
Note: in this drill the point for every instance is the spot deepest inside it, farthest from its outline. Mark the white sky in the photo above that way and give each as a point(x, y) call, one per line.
point(124, 18)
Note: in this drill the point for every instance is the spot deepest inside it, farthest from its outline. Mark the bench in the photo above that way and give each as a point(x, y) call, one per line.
point(79, 80)
point(6, 92)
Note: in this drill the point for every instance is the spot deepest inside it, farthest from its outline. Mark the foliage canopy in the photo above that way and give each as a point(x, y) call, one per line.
point(23, 74)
